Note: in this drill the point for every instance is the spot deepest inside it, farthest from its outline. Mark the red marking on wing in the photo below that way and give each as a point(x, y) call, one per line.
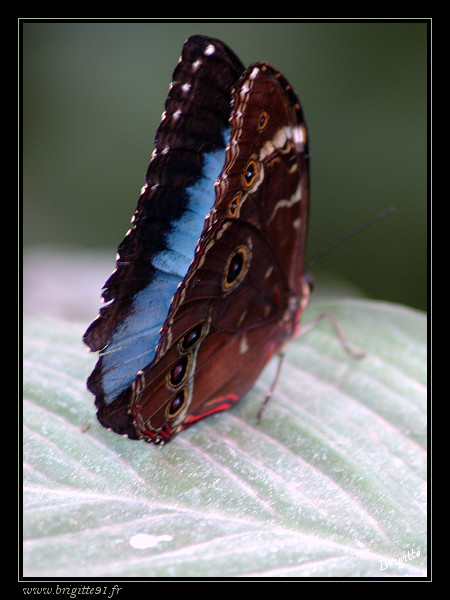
point(221, 404)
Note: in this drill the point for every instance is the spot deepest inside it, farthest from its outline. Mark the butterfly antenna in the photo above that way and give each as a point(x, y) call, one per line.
point(350, 234)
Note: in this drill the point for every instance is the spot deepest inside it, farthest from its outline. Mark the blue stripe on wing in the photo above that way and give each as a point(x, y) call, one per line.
point(133, 344)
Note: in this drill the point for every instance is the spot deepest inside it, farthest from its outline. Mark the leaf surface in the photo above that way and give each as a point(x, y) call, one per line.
point(331, 483)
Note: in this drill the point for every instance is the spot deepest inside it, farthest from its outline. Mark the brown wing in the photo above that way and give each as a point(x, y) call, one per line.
point(241, 298)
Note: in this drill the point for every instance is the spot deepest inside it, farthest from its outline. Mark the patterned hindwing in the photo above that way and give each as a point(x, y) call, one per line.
point(265, 180)
point(223, 326)
point(154, 256)
point(241, 298)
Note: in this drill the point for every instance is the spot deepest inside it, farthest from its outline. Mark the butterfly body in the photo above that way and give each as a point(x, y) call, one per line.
point(209, 279)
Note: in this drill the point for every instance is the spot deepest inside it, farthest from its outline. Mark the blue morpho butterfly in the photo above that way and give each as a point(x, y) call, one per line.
point(209, 279)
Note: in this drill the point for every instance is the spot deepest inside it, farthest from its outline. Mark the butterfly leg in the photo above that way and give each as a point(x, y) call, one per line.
point(353, 352)
point(272, 387)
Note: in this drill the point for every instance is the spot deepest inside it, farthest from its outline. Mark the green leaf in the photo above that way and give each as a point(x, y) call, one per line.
point(331, 483)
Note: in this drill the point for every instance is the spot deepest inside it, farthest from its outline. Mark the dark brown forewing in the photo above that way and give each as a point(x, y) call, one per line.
point(196, 112)
point(241, 298)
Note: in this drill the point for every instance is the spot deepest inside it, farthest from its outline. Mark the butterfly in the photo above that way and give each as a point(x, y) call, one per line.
point(209, 279)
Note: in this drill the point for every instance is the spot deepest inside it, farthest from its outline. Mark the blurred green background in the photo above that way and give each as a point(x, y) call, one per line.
point(93, 94)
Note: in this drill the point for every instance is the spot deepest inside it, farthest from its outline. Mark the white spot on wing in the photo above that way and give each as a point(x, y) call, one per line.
point(296, 197)
point(299, 134)
point(210, 49)
point(243, 346)
point(268, 273)
point(276, 143)
point(244, 90)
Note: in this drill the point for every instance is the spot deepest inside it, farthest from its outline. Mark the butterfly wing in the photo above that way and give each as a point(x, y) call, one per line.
point(154, 256)
point(242, 296)
point(238, 297)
